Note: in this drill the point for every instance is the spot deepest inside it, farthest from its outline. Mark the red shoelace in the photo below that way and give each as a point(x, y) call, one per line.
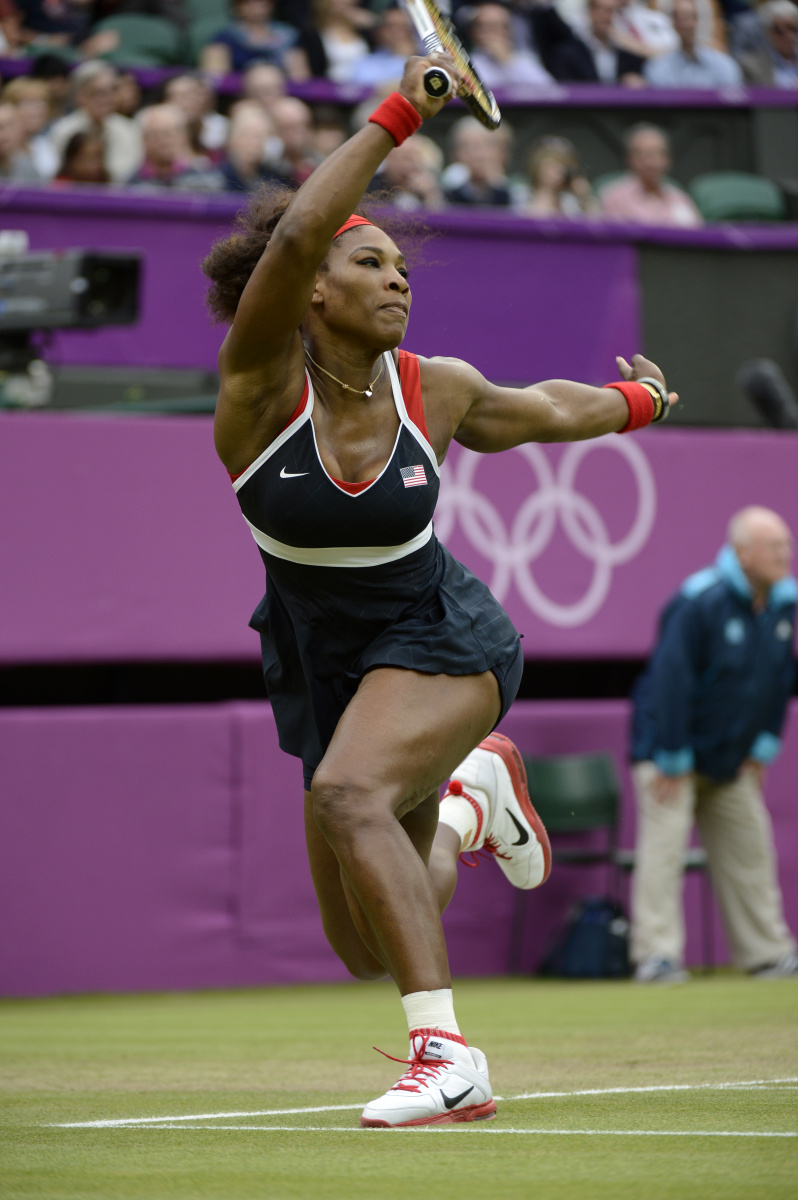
point(490, 846)
point(422, 1071)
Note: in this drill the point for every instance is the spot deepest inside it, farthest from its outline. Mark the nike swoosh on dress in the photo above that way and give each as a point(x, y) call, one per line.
point(292, 474)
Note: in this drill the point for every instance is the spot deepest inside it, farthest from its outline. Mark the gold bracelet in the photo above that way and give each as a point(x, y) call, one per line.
point(657, 399)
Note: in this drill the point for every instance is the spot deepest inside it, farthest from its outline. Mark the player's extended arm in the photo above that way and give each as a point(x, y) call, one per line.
point(558, 410)
point(261, 357)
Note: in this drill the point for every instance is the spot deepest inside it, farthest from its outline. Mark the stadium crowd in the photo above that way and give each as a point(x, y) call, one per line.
point(75, 117)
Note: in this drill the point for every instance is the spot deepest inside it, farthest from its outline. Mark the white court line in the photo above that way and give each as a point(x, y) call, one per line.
point(665, 1087)
point(284, 1112)
point(478, 1127)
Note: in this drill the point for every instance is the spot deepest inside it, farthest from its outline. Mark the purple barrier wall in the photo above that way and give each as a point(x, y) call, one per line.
point(160, 848)
point(561, 309)
point(122, 540)
point(563, 295)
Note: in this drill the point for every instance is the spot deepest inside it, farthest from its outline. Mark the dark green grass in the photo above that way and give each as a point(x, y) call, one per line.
point(97, 1058)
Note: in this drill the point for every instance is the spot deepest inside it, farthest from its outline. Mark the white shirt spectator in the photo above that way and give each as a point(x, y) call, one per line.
point(497, 57)
point(692, 65)
point(643, 30)
point(93, 83)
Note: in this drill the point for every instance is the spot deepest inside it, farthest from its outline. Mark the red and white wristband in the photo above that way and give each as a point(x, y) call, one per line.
point(647, 399)
point(398, 117)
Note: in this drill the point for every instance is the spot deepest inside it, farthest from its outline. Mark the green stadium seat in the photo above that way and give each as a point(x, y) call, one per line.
point(197, 10)
point(737, 196)
point(580, 794)
point(200, 33)
point(144, 41)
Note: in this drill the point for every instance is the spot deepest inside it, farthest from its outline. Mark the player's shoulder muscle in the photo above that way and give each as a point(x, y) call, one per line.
point(453, 377)
point(450, 388)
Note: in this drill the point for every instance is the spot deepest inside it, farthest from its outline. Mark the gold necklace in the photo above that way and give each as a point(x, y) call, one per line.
point(369, 391)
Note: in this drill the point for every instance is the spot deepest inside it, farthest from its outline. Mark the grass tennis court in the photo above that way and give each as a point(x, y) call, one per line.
point(240, 1061)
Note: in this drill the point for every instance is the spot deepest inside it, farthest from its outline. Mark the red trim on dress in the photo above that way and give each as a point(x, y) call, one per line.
point(300, 408)
point(410, 380)
point(352, 488)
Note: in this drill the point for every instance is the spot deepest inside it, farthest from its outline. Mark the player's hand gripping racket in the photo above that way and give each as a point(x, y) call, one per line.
point(437, 35)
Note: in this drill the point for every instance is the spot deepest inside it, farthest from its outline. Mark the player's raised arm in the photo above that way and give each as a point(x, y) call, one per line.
point(261, 359)
point(560, 410)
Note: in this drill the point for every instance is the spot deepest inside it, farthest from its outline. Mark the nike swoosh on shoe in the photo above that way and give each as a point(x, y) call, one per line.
point(450, 1101)
point(523, 833)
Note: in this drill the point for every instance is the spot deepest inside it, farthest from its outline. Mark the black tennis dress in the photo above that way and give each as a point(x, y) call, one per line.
point(355, 577)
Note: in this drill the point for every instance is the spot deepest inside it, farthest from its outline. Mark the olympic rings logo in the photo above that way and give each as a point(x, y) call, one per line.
point(513, 550)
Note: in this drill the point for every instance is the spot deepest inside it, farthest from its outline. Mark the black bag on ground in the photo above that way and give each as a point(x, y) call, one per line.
point(593, 944)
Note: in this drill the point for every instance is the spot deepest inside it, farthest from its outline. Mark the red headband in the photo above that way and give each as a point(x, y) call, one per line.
point(350, 224)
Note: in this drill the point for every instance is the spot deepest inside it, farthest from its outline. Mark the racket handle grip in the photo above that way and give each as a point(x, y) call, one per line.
point(438, 83)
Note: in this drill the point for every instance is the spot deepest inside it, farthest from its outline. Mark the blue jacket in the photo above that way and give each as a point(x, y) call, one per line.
point(715, 691)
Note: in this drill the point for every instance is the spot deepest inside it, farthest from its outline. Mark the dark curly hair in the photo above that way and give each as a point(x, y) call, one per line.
point(233, 259)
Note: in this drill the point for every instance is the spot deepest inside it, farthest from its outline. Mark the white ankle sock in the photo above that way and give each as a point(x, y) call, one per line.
point(460, 815)
point(431, 1010)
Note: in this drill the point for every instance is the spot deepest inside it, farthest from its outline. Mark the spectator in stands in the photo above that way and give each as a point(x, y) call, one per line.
point(329, 130)
point(93, 86)
point(54, 22)
point(335, 43)
point(395, 41)
point(207, 128)
point(692, 66)
point(498, 58)
point(558, 186)
point(708, 715)
point(54, 71)
point(644, 31)
point(244, 168)
point(412, 172)
point(84, 160)
point(478, 173)
point(254, 37)
point(776, 65)
point(11, 39)
point(264, 83)
point(31, 99)
point(293, 123)
point(590, 56)
point(127, 94)
point(644, 195)
point(168, 158)
point(15, 164)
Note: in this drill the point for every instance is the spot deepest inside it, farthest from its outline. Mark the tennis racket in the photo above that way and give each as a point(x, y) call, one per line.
point(437, 34)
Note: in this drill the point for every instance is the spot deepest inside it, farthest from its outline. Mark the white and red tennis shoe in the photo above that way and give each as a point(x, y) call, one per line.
point(446, 1082)
point(493, 779)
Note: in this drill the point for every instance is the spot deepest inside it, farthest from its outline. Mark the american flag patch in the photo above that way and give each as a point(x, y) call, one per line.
point(413, 476)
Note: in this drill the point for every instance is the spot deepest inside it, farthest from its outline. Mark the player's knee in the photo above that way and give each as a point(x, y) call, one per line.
point(343, 804)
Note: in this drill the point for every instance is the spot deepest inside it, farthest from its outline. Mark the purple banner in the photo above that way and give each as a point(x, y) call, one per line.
point(137, 851)
point(122, 539)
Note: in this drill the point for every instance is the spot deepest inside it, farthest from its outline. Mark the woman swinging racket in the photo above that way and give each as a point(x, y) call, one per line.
point(387, 663)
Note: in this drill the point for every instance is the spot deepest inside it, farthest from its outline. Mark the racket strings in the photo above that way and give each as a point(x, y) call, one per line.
point(471, 83)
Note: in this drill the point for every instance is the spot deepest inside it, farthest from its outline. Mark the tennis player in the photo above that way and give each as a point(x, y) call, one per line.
point(388, 664)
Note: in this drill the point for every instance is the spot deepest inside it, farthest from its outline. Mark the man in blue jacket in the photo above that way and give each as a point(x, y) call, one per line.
point(708, 714)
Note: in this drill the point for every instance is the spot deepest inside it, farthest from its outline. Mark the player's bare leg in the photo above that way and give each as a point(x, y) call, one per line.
point(400, 737)
point(384, 868)
point(375, 799)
